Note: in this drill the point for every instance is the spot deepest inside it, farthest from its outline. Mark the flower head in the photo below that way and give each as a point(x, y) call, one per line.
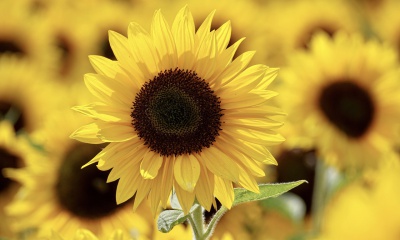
point(180, 113)
point(349, 109)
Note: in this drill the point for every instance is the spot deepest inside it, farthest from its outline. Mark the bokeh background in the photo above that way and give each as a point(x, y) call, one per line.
point(44, 49)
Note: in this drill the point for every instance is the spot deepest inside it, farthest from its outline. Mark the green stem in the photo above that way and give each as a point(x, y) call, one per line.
point(196, 220)
point(213, 223)
point(319, 196)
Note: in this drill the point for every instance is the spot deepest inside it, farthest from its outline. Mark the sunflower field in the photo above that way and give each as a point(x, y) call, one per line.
point(199, 119)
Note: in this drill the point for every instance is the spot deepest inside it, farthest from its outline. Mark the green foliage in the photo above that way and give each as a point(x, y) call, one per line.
point(168, 219)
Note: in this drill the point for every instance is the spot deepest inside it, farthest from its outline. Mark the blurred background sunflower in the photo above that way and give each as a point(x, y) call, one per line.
point(59, 195)
point(348, 156)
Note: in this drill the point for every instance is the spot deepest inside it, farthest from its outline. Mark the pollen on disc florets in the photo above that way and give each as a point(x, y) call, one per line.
point(177, 113)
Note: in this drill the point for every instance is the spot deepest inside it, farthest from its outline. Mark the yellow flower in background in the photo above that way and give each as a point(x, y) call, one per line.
point(24, 35)
point(293, 23)
point(67, 27)
point(241, 222)
point(84, 234)
point(344, 95)
point(14, 153)
point(368, 208)
point(180, 231)
point(253, 221)
point(70, 22)
point(179, 113)
point(25, 91)
point(56, 195)
point(386, 23)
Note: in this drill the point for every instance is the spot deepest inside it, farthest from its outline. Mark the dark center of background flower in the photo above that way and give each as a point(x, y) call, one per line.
point(294, 164)
point(66, 48)
point(177, 113)
point(10, 46)
point(85, 192)
point(347, 106)
point(208, 215)
point(7, 160)
point(13, 114)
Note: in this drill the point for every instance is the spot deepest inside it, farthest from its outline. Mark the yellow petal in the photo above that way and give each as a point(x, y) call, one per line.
point(167, 179)
point(104, 113)
point(87, 134)
point(204, 28)
point(220, 164)
point(104, 65)
point(122, 51)
point(143, 47)
point(253, 98)
point(128, 185)
point(247, 181)
point(245, 81)
point(224, 59)
point(223, 35)
point(224, 191)
point(186, 172)
point(110, 132)
point(236, 67)
point(183, 30)
point(206, 56)
point(186, 199)
point(142, 192)
point(164, 41)
point(150, 165)
point(205, 188)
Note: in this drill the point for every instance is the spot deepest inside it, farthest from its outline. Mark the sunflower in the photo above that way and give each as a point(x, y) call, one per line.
point(296, 21)
point(67, 27)
point(102, 19)
point(386, 23)
point(241, 221)
point(346, 101)
point(14, 153)
point(25, 35)
point(26, 94)
point(58, 196)
point(70, 22)
point(179, 113)
point(369, 206)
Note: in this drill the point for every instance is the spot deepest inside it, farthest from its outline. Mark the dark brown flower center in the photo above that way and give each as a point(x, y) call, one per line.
point(13, 114)
point(348, 107)
point(7, 160)
point(177, 113)
point(10, 46)
point(85, 192)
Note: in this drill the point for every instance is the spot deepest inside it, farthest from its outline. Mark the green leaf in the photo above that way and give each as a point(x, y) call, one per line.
point(266, 191)
point(288, 204)
point(168, 219)
point(175, 202)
